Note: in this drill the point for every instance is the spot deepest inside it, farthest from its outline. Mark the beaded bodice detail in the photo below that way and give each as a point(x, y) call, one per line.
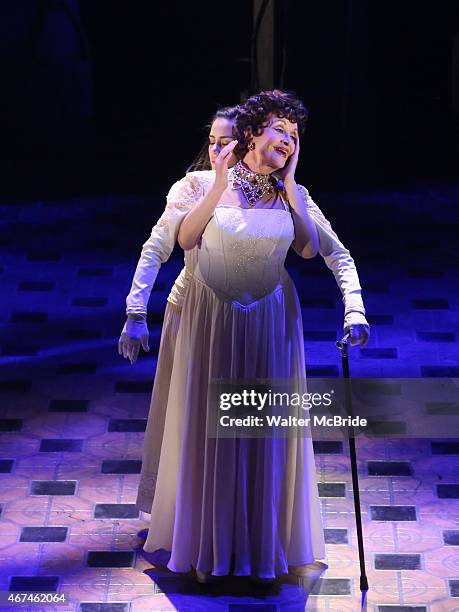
point(242, 252)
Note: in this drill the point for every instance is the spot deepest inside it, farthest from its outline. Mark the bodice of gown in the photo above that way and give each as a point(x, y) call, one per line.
point(242, 252)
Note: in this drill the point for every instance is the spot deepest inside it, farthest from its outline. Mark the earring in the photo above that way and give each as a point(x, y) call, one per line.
point(251, 146)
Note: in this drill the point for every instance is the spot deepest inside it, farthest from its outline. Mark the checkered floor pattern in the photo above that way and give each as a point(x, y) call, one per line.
point(73, 412)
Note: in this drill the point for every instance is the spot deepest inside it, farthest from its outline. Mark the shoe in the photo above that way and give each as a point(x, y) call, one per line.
point(142, 534)
point(307, 575)
point(207, 577)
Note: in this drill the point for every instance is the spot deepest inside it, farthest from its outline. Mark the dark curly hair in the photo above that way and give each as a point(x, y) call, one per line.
point(254, 115)
point(202, 161)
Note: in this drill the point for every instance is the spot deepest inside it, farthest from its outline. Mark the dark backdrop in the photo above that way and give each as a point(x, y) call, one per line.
point(105, 96)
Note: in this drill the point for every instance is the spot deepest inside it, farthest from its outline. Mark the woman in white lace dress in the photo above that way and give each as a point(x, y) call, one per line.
point(155, 252)
point(249, 507)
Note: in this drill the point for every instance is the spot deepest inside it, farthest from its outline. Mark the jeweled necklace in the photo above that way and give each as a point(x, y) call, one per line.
point(254, 185)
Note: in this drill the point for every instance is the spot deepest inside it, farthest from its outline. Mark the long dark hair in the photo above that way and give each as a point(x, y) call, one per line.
point(202, 161)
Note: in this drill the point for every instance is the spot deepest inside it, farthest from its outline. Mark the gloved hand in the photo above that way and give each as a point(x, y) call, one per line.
point(358, 328)
point(134, 334)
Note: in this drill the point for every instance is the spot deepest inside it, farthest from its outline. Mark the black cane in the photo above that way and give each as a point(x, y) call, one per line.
point(343, 347)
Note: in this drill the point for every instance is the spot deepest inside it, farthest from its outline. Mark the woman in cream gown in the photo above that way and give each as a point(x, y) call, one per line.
point(155, 252)
point(250, 501)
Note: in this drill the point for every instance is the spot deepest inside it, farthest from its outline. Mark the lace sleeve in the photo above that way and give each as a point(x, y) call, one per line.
point(337, 257)
point(182, 196)
point(158, 248)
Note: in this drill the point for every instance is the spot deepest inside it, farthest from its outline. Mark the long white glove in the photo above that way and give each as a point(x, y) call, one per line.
point(134, 334)
point(357, 326)
point(158, 248)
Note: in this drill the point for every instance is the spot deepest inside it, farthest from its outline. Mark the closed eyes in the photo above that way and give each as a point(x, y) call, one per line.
point(222, 142)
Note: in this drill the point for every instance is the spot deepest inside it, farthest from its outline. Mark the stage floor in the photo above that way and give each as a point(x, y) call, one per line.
point(73, 414)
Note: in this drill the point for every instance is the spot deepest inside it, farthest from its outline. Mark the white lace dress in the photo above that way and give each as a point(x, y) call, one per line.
point(249, 506)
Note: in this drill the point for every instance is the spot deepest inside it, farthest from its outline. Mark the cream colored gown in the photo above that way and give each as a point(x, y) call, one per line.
point(251, 501)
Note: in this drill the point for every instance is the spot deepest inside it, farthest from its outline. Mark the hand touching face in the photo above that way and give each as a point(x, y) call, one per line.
point(221, 134)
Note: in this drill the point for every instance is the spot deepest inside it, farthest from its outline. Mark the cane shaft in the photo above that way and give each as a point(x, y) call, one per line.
point(354, 473)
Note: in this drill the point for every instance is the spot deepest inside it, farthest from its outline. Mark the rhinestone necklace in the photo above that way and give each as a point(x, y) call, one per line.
point(254, 186)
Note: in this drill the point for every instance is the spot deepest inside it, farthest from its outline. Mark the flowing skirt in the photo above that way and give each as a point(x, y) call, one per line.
point(247, 506)
point(157, 414)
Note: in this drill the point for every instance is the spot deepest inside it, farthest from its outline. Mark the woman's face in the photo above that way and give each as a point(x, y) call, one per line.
point(221, 134)
point(276, 143)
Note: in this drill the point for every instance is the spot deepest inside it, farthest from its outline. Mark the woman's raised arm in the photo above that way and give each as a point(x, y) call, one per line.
point(192, 226)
